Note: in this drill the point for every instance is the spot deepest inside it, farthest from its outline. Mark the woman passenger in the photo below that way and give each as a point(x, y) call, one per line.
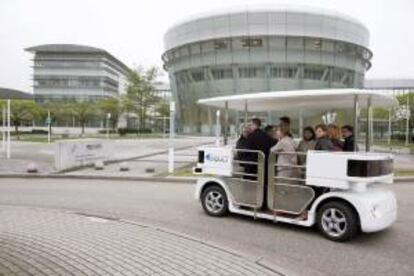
point(322, 140)
point(308, 142)
point(285, 145)
point(334, 134)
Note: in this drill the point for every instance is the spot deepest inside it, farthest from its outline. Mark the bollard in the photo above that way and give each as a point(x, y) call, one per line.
point(32, 168)
point(150, 170)
point(99, 165)
point(123, 167)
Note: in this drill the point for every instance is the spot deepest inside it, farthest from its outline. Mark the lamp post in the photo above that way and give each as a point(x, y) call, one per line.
point(108, 117)
point(8, 130)
point(4, 128)
point(218, 128)
point(49, 126)
point(171, 140)
point(407, 122)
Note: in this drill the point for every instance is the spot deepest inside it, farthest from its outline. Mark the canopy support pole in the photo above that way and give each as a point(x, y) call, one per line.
point(245, 112)
point(369, 126)
point(389, 126)
point(210, 119)
point(226, 123)
point(356, 120)
point(300, 123)
point(218, 128)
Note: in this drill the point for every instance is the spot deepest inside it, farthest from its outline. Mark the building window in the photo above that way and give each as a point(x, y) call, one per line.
point(338, 75)
point(284, 72)
point(220, 44)
point(66, 64)
point(314, 73)
point(219, 74)
point(181, 77)
point(251, 72)
point(252, 42)
point(198, 76)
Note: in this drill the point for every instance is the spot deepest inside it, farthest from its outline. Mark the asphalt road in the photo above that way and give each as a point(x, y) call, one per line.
point(171, 206)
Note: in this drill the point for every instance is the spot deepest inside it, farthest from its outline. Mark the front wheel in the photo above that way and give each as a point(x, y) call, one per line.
point(214, 201)
point(337, 221)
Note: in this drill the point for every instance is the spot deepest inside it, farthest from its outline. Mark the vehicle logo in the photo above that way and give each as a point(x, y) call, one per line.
point(216, 158)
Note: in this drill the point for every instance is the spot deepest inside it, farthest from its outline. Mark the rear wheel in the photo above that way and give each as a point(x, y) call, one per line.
point(337, 221)
point(214, 201)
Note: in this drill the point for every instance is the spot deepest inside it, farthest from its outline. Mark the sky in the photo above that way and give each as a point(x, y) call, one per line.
point(133, 30)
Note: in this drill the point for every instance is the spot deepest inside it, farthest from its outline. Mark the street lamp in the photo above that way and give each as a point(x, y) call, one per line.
point(108, 117)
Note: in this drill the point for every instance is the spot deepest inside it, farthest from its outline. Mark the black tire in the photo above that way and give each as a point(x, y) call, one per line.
point(215, 195)
point(337, 221)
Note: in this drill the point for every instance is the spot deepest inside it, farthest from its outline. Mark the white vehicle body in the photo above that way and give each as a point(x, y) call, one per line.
point(341, 192)
point(374, 203)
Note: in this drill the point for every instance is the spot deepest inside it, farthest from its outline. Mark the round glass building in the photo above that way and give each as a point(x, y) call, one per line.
point(261, 49)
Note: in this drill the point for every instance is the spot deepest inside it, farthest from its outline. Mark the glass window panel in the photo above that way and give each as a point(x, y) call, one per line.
point(198, 75)
point(218, 74)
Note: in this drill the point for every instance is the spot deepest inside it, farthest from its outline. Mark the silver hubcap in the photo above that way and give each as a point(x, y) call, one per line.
point(214, 202)
point(334, 222)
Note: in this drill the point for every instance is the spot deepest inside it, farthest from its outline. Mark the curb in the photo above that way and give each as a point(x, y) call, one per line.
point(170, 179)
point(404, 179)
point(175, 179)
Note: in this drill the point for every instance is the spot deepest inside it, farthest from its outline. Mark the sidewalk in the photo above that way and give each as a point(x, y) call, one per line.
point(148, 166)
point(48, 242)
point(42, 154)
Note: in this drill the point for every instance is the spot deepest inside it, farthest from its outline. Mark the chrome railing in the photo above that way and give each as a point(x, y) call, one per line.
point(247, 181)
point(286, 190)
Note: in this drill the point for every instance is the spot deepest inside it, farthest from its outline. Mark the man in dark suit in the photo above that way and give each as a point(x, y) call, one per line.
point(259, 140)
point(349, 140)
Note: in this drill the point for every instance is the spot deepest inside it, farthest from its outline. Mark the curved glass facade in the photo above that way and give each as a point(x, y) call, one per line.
point(258, 63)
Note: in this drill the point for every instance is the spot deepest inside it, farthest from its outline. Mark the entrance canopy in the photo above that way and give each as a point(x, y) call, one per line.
point(321, 99)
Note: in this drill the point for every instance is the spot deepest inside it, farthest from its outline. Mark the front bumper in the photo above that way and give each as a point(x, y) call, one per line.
point(379, 212)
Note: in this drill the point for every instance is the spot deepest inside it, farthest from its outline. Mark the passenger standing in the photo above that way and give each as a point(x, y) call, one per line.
point(286, 145)
point(246, 130)
point(271, 132)
point(241, 143)
point(348, 135)
point(259, 140)
point(335, 136)
point(322, 141)
point(308, 142)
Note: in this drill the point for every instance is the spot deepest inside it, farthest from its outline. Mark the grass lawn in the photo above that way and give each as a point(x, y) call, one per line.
point(184, 172)
point(394, 144)
point(404, 173)
point(42, 138)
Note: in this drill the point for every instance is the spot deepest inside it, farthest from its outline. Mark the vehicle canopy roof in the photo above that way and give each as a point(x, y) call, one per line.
point(320, 99)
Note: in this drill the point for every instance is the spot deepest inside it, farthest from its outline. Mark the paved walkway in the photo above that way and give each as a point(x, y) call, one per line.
point(42, 154)
point(48, 242)
point(152, 165)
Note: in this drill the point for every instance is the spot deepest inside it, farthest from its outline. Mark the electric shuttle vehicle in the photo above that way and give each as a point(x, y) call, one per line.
point(342, 193)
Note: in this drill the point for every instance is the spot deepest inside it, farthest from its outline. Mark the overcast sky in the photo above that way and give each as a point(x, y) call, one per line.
point(133, 30)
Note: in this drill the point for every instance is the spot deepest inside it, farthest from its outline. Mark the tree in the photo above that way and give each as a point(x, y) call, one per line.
point(402, 99)
point(83, 112)
point(112, 106)
point(140, 93)
point(162, 108)
point(22, 111)
point(59, 111)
